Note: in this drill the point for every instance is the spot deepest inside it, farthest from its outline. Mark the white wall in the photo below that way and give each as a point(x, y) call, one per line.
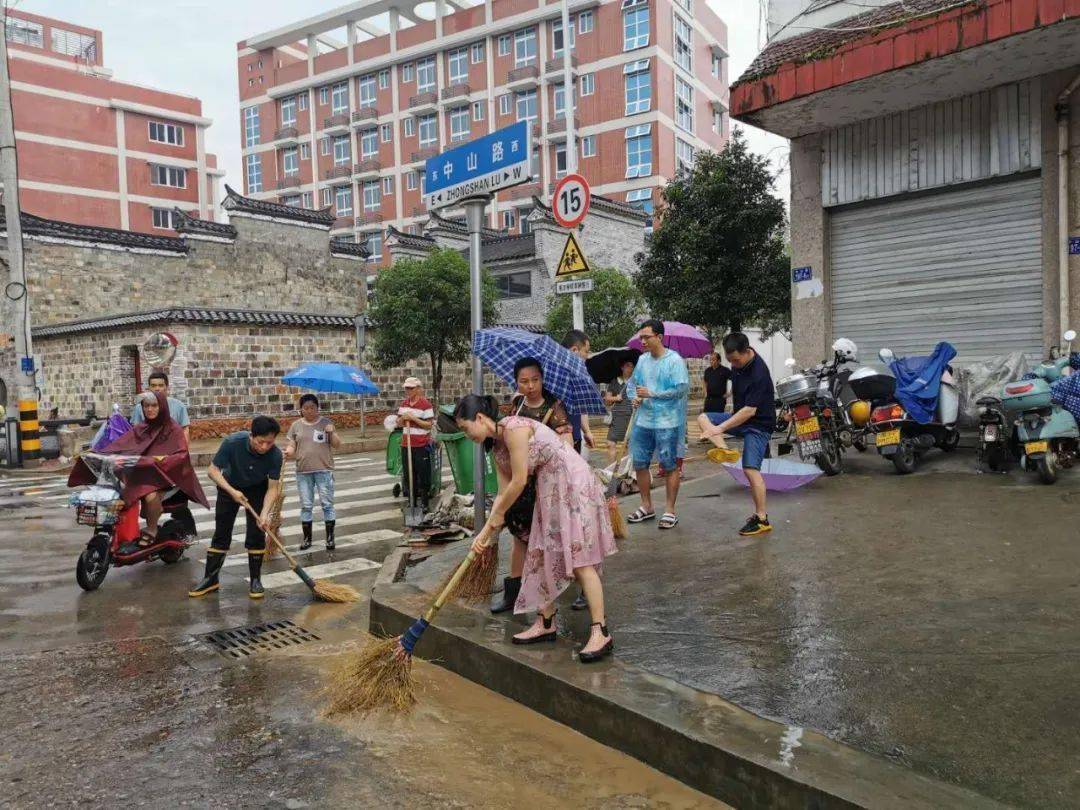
point(774, 350)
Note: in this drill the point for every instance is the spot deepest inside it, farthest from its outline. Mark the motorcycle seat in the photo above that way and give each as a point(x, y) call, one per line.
point(984, 401)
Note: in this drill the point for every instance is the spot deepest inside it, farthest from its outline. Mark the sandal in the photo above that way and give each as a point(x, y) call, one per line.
point(603, 652)
point(640, 515)
point(146, 539)
point(550, 633)
point(668, 521)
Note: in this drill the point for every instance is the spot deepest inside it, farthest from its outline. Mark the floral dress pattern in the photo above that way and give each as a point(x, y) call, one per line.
point(571, 527)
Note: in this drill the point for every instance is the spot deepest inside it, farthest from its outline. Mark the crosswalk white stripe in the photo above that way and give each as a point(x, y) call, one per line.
point(352, 520)
point(208, 525)
point(280, 579)
point(240, 557)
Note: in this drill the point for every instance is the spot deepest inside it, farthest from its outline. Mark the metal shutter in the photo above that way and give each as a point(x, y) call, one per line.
point(962, 266)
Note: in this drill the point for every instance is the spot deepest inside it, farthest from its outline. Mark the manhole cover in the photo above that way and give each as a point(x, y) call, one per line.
point(240, 642)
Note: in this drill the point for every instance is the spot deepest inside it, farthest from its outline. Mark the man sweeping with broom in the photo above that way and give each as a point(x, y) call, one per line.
point(247, 471)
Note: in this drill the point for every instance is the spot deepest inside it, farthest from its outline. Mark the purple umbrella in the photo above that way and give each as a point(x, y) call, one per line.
point(780, 474)
point(685, 339)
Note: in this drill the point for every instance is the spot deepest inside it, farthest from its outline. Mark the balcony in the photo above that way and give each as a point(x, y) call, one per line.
point(423, 154)
point(424, 103)
point(289, 181)
point(366, 218)
point(365, 115)
point(553, 70)
point(454, 91)
point(557, 128)
point(523, 78)
point(522, 192)
point(334, 124)
point(287, 135)
point(342, 222)
point(367, 167)
point(419, 211)
point(334, 172)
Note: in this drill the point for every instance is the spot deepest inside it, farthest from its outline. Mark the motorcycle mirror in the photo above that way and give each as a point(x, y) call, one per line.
point(886, 356)
point(790, 362)
point(1070, 335)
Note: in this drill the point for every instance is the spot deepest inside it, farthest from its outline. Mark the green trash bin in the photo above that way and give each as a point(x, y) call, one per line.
point(459, 450)
point(394, 464)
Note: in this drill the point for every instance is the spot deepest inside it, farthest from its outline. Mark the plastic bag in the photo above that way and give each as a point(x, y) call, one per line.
point(977, 380)
point(115, 427)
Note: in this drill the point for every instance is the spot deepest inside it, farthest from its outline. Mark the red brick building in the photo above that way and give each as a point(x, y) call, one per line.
point(343, 108)
point(97, 151)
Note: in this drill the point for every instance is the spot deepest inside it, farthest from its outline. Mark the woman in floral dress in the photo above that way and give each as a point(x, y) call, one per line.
point(571, 530)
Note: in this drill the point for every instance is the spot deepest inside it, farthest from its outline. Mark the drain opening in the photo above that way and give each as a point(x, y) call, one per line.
point(240, 642)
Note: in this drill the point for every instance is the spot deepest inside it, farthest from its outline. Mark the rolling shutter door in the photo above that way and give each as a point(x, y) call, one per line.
point(961, 266)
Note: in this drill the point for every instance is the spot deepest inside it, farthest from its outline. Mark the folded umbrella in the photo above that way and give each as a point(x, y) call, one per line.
point(565, 374)
point(336, 378)
point(605, 366)
point(685, 339)
point(781, 475)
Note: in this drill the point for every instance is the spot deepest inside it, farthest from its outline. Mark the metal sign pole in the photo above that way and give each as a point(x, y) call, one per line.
point(474, 216)
point(570, 110)
point(361, 341)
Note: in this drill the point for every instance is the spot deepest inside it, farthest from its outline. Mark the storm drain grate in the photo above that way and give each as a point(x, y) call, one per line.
point(240, 642)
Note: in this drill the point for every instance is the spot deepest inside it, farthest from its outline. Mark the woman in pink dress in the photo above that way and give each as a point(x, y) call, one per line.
point(571, 530)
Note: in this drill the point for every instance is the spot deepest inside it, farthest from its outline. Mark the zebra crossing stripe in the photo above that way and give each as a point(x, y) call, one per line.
point(204, 525)
point(240, 557)
point(352, 520)
point(280, 579)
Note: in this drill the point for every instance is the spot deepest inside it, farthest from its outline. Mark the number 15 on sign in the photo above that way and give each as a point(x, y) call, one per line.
point(570, 202)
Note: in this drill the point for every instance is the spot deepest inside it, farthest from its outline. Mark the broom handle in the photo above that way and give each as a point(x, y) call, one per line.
point(270, 533)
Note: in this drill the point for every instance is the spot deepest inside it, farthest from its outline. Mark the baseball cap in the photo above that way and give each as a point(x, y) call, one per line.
point(412, 382)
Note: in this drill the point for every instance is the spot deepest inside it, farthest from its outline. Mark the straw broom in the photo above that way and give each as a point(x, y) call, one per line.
point(618, 522)
point(380, 675)
point(324, 591)
point(479, 581)
point(274, 521)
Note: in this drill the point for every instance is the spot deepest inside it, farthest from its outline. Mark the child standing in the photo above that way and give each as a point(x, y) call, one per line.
point(311, 440)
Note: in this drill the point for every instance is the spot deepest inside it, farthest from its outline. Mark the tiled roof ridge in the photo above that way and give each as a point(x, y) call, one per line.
point(348, 247)
point(58, 229)
point(237, 202)
point(204, 315)
point(186, 223)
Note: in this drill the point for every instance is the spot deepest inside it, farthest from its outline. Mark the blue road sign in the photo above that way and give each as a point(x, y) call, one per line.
point(496, 161)
point(802, 274)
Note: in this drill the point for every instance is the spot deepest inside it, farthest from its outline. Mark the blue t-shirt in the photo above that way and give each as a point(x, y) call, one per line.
point(752, 386)
point(177, 410)
point(666, 377)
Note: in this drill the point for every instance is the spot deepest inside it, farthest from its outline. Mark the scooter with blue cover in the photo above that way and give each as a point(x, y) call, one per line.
point(1048, 434)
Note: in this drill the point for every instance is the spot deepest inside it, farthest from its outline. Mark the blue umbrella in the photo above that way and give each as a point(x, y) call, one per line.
point(565, 374)
point(336, 378)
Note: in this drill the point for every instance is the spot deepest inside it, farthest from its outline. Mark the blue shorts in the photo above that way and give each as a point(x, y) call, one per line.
point(755, 441)
point(664, 442)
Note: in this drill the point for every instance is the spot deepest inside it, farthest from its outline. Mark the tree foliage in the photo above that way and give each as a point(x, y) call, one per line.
point(422, 307)
point(612, 310)
point(718, 255)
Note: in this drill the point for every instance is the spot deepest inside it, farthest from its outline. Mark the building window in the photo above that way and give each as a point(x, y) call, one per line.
point(167, 176)
point(410, 181)
point(524, 47)
point(74, 44)
point(504, 104)
point(172, 134)
point(514, 285)
point(425, 75)
point(253, 174)
point(585, 22)
point(588, 146)
point(523, 218)
point(387, 186)
point(478, 110)
point(504, 45)
point(459, 124)
point(301, 101)
point(373, 243)
point(428, 130)
point(290, 163)
point(639, 151)
point(560, 160)
point(410, 127)
point(526, 105)
point(384, 78)
point(367, 92)
point(684, 156)
point(560, 102)
point(477, 52)
point(718, 122)
point(163, 218)
point(684, 44)
point(327, 197)
point(423, 182)
point(387, 132)
point(324, 95)
point(638, 86)
point(343, 200)
point(369, 143)
point(687, 4)
point(288, 111)
point(372, 199)
point(641, 199)
point(588, 84)
point(308, 200)
point(339, 98)
point(534, 164)
point(557, 36)
point(251, 126)
point(24, 32)
point(459, 66)
point(684, 105)
point(324, 146)
point(407, 72)
point(508, 219)
point(715, 67)
point(635, 26)
point(293, 200)
point(305, 151)
point(342, 153)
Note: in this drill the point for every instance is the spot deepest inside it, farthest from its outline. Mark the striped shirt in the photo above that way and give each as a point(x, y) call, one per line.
point(411, 435)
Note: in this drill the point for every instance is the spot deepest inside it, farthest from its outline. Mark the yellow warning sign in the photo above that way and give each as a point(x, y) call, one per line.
point(573, 260)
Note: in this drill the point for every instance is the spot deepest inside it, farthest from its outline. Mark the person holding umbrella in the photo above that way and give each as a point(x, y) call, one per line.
point(618, 400)
point(311, 440)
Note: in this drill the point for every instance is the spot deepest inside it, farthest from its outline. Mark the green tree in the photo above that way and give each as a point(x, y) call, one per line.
point(612, 310)
point(421, 307)
point(718, 256)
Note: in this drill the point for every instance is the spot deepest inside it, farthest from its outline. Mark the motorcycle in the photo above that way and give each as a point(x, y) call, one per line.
point(899, 435)
point(115, 527)
point(995, 434)
point(1047, 432)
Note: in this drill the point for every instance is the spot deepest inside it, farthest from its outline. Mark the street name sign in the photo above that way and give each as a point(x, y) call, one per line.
point(573, 260)
point(570, 200)
point(577, 285)
point(486, 165)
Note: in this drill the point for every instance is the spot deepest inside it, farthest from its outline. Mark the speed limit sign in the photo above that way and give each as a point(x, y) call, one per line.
point(570, 202)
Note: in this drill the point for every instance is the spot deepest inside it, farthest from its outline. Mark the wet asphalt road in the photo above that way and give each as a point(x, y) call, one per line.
point(110, 698)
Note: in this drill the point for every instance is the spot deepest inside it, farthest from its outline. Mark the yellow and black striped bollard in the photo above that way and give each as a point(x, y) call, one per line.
point(29, 429)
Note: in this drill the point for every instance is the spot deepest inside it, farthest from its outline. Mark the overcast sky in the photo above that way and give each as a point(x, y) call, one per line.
point(189, 47)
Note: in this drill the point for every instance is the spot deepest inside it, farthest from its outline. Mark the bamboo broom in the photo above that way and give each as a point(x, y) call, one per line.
point(618, 522)
point(274, 521)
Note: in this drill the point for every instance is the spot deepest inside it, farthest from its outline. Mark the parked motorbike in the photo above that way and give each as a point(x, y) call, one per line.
point(995, 434)
point(1048, 434)
point(903, 439)
point(115, 526)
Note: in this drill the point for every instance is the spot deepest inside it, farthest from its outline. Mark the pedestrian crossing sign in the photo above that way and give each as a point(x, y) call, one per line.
point(573, 260)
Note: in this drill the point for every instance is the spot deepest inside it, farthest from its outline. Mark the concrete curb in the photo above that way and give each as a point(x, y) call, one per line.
point(696, 737)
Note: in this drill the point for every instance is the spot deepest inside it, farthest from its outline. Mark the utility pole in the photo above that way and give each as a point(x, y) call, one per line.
point(16, 291)
point(474, 217)
point(360, 322)
point(569, 110)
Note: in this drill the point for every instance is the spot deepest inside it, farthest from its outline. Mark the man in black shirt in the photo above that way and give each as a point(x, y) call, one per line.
point(753, 419)
point(716, 383)
point(246, 468)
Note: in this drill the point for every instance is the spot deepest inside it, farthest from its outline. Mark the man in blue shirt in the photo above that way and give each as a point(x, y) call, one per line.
point(659, 387)
point(159, 381)
point(753, 419)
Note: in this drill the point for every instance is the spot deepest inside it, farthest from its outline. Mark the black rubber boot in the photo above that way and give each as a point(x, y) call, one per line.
point(511, 588)
point(209, 582)
point(330, 534)
point(255, 590)
point(580, 603)
point(305, 544)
